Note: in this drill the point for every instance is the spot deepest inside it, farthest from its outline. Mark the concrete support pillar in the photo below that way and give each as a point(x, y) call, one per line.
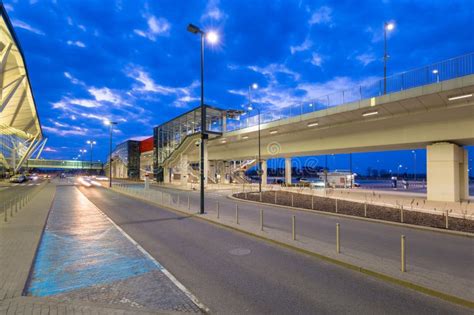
point(166, 175)
point(264, 172)
point(183, 169)
point(288, 171)
point(447, 176)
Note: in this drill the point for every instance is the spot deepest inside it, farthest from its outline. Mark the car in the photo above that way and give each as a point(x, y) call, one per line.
point(20, 178)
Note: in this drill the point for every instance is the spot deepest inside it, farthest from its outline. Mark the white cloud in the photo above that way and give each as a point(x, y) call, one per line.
point(316, 59)
point(321, 16)
point(76, 43)
point(66, 102)
point(107, 95)
point(156, 27)
point(213, 12)
point(25, 26)
point(365, 58)
point(302, 47)
point(49, 149)
point(76, 131)
point(271, 70)
point(72, 78)
point(147, 83)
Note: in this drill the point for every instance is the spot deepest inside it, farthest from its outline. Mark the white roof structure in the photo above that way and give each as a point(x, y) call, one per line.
point(20, 127)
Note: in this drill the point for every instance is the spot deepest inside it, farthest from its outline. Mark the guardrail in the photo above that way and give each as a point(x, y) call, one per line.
point(434, 73)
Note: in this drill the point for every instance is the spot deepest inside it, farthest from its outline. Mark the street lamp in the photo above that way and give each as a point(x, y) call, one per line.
point(83, 151)
point(254, 86)
point(414, 165)
point(111, 127)
point(91, 143)
point(212, 37)
point(388, 26)
point(398, 170)
point(436, 73)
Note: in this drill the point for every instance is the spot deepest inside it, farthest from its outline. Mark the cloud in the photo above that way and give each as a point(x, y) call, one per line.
point(365, 58)
point(25, 26)
point(106, 95)
point(316, 59)
point(74, 130)
point(302, 47)
point(156, 27)
point(9, 7)
point(147, 83)
point(213, 12)
point(49, 149)
point(321, 16)
point(73, 79)
point(76, 43)
point(271, 70)
point(82, 102)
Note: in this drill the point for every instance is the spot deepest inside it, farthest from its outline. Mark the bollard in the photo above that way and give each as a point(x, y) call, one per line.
point(403, 257)
point(246, 198)
point(447, 219)
point(365, 209)
point(260, 196)
point(338, 240)
point(336, 205)
point(11, 208)
point(189, 204)
point(217, 209)
point(275, 197)
point(16, 203)
point(178, 200)
point(5, 211)
point(312, 202)
point(261, 219)
point(401, 213)
point(292, 199)
point(293, 228)
point(237, 213)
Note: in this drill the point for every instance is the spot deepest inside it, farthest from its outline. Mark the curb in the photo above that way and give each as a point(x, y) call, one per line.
point(347, 216)
point(374, 274)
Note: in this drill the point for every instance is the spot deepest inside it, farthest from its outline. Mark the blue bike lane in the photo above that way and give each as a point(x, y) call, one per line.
point(83, 256)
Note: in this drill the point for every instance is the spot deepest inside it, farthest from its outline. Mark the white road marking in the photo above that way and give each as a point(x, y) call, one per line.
point(149, 256)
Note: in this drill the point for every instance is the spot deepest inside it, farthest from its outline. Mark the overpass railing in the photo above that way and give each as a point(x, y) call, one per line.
point(434, 73)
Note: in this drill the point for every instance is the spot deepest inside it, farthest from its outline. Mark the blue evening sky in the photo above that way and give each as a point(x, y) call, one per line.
point(134, 61)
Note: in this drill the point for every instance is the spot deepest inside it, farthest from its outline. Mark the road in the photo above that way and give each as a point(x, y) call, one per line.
point(449, 257)
point(9, 191)
point(233, 274)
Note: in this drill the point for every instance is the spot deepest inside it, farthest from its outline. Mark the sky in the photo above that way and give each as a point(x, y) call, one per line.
point(135, 63)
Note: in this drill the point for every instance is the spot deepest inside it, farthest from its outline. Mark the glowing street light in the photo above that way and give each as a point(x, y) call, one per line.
point(388, 26)
point(254, 86)
point(212, 38)
point(436, 73)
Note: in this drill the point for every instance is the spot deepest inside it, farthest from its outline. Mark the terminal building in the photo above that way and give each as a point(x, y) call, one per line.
point(21, 135)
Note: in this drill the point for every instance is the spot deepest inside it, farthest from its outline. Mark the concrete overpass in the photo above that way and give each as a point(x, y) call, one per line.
point(63, 164)
point(419, 111)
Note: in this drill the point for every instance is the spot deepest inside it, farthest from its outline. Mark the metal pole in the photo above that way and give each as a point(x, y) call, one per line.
point(259, 157)
point(350, 167)
point(403, 257)
point(261, 219)
point(385, 59)
point(293, 228)
point(338, 239)
point(110, 156)
point(203, 126)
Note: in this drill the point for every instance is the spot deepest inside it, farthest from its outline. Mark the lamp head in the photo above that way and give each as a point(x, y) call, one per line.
point(254, 86)
point(389, 26)
point(193, 29)
point(212, 37)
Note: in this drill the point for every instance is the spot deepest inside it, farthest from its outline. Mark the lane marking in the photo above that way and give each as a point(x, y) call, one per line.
point(168, 274)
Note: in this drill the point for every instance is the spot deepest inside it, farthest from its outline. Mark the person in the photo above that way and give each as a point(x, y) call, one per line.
point(405, 184)
point(394, 182)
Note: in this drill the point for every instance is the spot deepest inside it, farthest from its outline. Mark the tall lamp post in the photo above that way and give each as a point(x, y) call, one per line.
point(111, 127)
point(212, 38)
point(91, 143)
point(388, 26)
point(254, 86)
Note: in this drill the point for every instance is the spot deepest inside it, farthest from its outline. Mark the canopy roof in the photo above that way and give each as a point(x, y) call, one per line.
point(17, 104)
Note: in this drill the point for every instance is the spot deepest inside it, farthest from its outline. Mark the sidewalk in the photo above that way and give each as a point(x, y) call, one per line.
point(72, 214)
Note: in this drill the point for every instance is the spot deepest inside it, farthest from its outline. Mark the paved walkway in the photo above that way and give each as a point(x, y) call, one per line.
point(84, 264)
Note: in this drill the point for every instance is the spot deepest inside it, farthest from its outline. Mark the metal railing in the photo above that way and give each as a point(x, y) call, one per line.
point(434, 73)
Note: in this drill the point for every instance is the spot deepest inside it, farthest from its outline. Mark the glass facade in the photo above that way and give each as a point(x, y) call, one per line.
point(168, 136)
point(128, 154)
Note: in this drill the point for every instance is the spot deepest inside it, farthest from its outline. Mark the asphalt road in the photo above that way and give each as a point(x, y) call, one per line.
point(233, 274)
point(433, 252)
